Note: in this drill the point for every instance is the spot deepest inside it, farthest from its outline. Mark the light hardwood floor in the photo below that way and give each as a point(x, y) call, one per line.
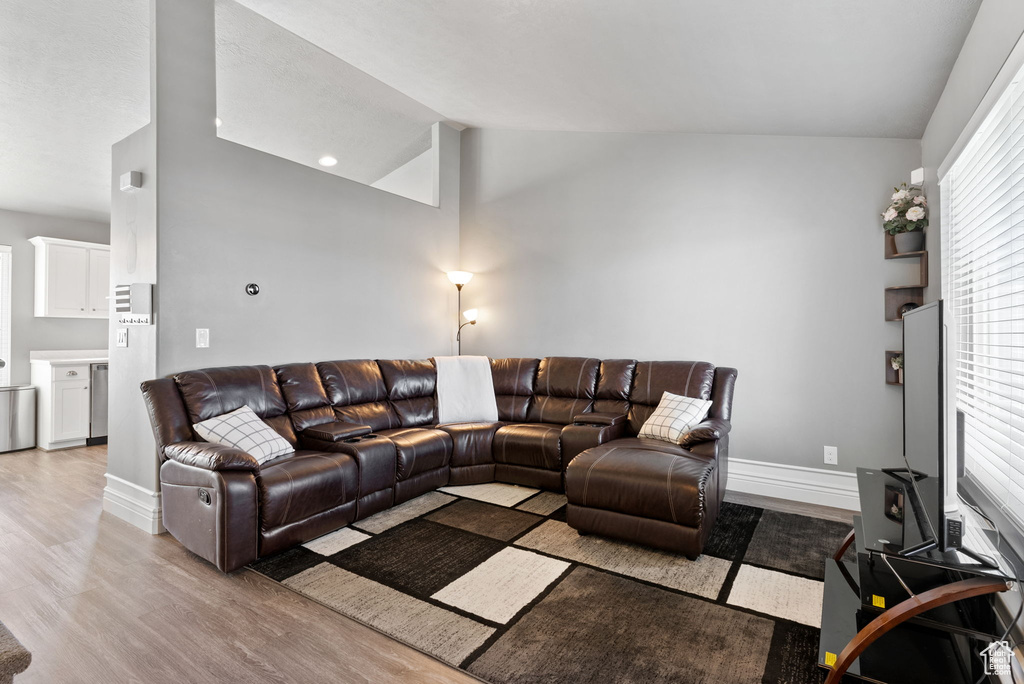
point(97, 600)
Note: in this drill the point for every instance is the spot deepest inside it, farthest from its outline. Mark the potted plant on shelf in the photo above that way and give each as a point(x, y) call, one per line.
point(906, 218)
point(897, 365)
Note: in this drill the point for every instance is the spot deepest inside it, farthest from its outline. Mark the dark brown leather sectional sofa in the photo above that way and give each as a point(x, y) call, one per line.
point(366, 438)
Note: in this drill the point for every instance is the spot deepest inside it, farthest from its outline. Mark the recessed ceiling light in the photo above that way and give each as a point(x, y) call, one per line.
point(327, 161)
point(217, 122)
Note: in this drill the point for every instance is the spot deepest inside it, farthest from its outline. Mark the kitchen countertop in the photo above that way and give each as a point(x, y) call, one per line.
point(69, 356)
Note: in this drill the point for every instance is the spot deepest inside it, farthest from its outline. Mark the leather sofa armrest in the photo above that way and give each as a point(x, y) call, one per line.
point(578, 438)
point(706, 431)
point(599, 419)
point(714, 448)
point(210, 456)
point(214, 514)
point(337, 431)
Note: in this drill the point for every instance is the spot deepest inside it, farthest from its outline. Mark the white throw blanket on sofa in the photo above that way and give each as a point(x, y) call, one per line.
point(465, 390)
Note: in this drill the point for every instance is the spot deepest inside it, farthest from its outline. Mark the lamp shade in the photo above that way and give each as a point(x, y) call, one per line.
point(459, 277)
point(470, 315)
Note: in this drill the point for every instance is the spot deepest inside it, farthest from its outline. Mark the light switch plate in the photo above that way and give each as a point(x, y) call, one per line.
point(122, 337)
point(202, 338)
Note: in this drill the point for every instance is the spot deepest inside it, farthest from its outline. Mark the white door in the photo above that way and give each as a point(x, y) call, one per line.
point(99, 282)
point(70, 410)
point(5, 315)
point(67, 271)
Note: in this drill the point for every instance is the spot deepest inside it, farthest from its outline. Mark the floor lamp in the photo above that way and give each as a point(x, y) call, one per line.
point(460, 278)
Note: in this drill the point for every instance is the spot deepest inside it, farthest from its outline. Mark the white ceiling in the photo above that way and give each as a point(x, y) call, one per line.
point(281, 94)
point(784, 67)
point(74, 75)
point(74, 79)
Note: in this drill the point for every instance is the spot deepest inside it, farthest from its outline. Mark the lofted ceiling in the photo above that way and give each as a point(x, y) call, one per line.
point(866, 68)
point(283, 95)
point(74, 75)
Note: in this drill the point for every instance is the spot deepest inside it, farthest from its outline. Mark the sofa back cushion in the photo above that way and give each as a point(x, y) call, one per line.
point(614, 381)
point(565, 388)
point(513, 386)
point(215, 391)
point(410, 386)
point(654, 378)
point(356, 391)
point(305, 395)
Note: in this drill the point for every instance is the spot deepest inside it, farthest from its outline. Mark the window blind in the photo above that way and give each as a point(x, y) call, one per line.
point(983, 282)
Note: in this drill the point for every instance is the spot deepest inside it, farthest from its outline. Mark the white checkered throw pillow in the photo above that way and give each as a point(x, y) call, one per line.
point(244, 430)
point(674, 417)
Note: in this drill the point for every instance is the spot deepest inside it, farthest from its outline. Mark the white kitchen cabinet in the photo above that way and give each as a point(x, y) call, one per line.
point(70, 410)
point(63, 383)
point(99, 282)
point(72, 278)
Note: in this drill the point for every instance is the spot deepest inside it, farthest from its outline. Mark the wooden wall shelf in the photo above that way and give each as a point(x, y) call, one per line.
point(891, 253)
point(891, 376)
point(897, 296)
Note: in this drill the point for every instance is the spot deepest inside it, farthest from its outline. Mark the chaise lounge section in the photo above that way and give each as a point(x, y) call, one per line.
point(649, 491)
point(366, 438)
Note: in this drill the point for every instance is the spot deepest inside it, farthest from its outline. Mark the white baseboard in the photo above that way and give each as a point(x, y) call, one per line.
point(134, 504)
point(795, 483)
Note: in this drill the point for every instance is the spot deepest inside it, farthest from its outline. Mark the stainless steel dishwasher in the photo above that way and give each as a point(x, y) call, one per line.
point(98, 404)
point(17, 417)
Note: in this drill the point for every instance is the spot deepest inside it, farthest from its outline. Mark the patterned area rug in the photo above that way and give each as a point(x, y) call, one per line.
point(490, 579)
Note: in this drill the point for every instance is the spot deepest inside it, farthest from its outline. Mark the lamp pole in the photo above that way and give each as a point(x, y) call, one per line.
point(458, 279)
point(458, 319)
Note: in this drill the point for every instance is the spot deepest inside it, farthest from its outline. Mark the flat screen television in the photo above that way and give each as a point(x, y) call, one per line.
point(929, 423)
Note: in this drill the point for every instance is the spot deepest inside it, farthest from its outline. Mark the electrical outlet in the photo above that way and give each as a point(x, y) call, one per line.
point(832, 455)
point(122, 337)
point(202, 338)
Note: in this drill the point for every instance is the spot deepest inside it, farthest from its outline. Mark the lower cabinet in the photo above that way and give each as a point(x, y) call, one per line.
point(64, 409)
point(70, 410)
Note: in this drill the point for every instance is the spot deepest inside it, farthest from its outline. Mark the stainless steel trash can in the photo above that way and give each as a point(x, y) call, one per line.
point(17, 417)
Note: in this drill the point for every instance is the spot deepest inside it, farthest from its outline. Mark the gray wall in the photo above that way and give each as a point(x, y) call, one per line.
point(346, 270)
point(29, 333)
point(997, 28)
point(133, 249)
point(763, 253)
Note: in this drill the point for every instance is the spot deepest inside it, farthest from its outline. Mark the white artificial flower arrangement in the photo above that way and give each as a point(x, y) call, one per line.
point(907, 211)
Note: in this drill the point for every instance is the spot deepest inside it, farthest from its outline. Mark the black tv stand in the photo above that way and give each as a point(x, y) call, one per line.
point(905, 611)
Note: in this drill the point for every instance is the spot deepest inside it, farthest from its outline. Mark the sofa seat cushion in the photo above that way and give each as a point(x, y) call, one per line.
point(419, 449)
point(536, 445)
point(641, 481)
point(296, 487)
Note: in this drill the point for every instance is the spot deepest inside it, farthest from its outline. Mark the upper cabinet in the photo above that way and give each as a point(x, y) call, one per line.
point(99, 282)
point(72, 278)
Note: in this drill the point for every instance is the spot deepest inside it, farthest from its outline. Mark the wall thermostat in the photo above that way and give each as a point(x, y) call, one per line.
point(252, 289)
